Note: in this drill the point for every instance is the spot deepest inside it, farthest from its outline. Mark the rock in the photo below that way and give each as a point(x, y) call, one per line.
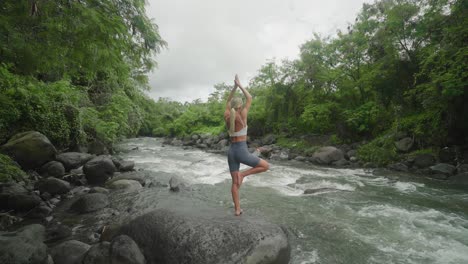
point(24, 246)
point(438, 176)
point(352, 153)
point(69, 252)
point(404, 144)
point(80, 190)
point(58, 232)
point(340, 163)
point(460, 178)
point(185, 233)
point(300, 158)
point(40, 212)
point(443, 168)
point(98, 148)
point(127, 165)
point(398, 167)
point(90, 202)
point(447, 155)
point(12, 188)
point(19, 202)
point(98, 190)
point(462, 168)
point(53, 186)
point(327, 155)
point(129, 185)
point(30, 149)
point(424, 160)
point(222, 143)
point(175, 183)
point(73, 160)
point(99, 169)
point(135, 176)
point(268, 139)
point(52, 169)
point(98, 254)
point(353, 159)
point(265, 151)
point(176, 142)
point(281, 155)
point(124, 250)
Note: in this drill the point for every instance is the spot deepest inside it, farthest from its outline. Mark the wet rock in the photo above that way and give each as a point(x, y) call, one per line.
point(370, 165)
point(438, 176)
point(460, 178)
point(124, 250)
point(12, 188)
point(53, 186)
point(462, 168)
point(97, 189)
point(129, 185)
point(39, 212)
point(135, 176)
point(327, 155)
point(24, 246)
point(99, 169)
point(7, 220)
point(98, 254)
point(340, 163)
point(351, 153)
point(185, 233)
point(398, 167)
point(58, 232)
point(97, 148)
point(176, 142)
point(69, 252)
point(281, 155)
point(73, 160)
point(265, 151)
point(424, 160)
point(90, 202)
point(19, 202)
point(80, 190)
point(176, 183)
point(30, 149)
point(404, 144)
point(300, 158)
point(443, 168)
point(52, 169)
point(127, 165)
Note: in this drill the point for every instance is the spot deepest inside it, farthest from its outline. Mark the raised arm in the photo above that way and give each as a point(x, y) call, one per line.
point(233, 91)
point(248, 97)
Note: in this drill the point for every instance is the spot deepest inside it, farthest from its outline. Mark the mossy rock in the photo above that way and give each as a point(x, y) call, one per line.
point(9, 170)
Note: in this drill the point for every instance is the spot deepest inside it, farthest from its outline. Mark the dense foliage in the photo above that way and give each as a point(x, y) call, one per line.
point(75, 70)
point(400, 67)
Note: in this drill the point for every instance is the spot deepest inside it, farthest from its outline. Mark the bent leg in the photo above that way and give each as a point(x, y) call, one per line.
point(235, 191)
point(262, 166)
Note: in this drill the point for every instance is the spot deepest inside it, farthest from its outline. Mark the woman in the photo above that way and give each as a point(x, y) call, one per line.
point(235, 117)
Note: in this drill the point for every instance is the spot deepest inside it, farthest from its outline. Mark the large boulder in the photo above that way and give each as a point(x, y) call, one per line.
point(19, 202)
point(69, 252)
point(90, 202)
point(128, 185)
point(424, 160)
point(443, 168)
point(99, 169)
point(327, 155)
point(52, 169)
point(53, 186)
point(124, 250)
point(460, 178)
point(30, 149)
point(98, 254)
point(73, 160)
point(405, 144)
point(189, 233)
point(25, 246)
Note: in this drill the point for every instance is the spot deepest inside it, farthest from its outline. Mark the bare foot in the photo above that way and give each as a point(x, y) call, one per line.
point(238, 213)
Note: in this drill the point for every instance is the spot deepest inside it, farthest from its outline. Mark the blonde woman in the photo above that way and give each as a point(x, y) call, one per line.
point(235, 117)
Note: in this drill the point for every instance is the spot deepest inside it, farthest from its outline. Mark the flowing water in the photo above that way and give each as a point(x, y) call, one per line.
point(351, 217)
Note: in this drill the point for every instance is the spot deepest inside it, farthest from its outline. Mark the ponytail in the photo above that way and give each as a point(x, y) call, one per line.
point(232, 121)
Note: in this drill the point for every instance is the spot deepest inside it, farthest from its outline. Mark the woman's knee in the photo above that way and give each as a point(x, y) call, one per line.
point(264, 164)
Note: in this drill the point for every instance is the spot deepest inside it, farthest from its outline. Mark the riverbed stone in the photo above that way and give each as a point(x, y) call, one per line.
point(185, 232)
point(73, 160)
point(134, 175)
point(69, 252)
point(327, 155)
point(443, 168)
point(460, 178)
point(97, 189)
point(19, 202)
point(24, 246)
point(424, 160)
point(128, 185)
point(98, 254)
point(462, 168)
point(39, 212)
point(127, 165)
point(52, 169)
point(29, 149)
point(99, 169)
point(90, 202)
point(176, 183)
point(399, 166)
point(53, 186)
point(124, 250)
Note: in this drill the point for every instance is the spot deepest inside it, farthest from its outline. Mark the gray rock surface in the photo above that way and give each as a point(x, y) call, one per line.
point(19, 202)
point(99, 169)
point(462, 168)
point(25, 246)
point(176, 183)
point(185, 233)
point(53, 186)
point(443, 168)
point(404, 144)
point(69, 252)
point(460, 178)
point(90, 202)
point(30, 149)
point(97, 189)
point(398, 167)
point(327, 155)
point(73, 160)
point(127, 176)
point(52, 169)
point(98, 254)
point(424, 160)
point(124, 250)
point(126, 165)
point(128, 185)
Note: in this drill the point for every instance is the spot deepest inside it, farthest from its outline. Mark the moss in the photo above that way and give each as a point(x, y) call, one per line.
point(9, 170)
point(380, 151)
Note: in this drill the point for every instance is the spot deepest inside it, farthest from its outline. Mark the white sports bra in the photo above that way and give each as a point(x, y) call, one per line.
point(242, 132)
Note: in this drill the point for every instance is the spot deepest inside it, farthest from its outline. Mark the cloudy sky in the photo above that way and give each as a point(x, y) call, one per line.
point(209, 41)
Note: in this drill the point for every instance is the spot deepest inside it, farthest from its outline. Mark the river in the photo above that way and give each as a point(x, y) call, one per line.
point(353, 216)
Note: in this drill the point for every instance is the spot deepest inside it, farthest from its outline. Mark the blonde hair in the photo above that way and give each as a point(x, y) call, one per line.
point(236, 102)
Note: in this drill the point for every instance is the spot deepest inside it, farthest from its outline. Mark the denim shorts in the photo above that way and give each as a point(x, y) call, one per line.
point(238, 153)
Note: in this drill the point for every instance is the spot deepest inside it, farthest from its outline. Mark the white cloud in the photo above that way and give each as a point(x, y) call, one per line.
point(211, 40)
